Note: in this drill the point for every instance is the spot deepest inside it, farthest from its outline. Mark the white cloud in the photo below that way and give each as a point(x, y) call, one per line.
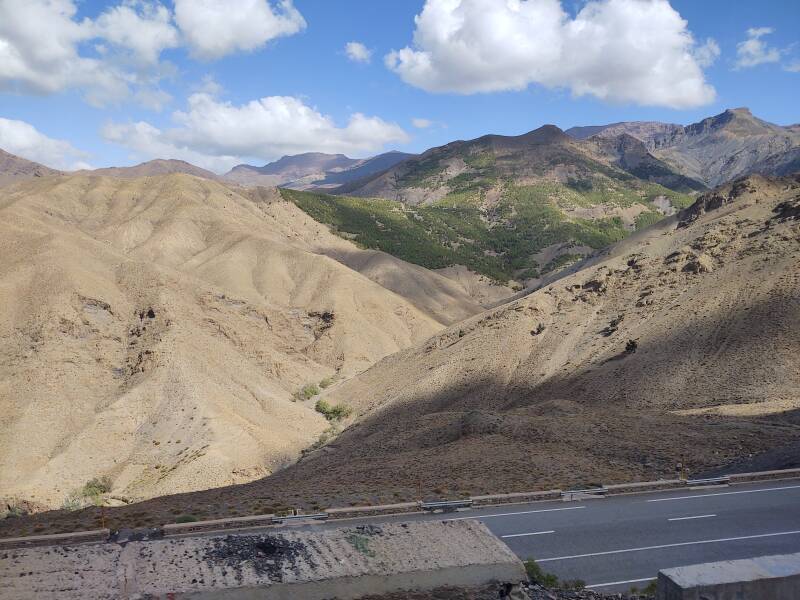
point(636, 51)
point(793, 67)
point(40, 42)
point(214, 29)
point(754, 51)
point(421, 123)
point(38, 51)
point(217, 135)
point(23, 139)
point(357, 52)
point(145, 33)
point(45, 49)
point(707, 54)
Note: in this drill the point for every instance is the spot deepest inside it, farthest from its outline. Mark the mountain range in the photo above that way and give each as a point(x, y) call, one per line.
point(158, 330)
point(313, 170)
point(675, 345)
point(172, 330)
point(714, 150)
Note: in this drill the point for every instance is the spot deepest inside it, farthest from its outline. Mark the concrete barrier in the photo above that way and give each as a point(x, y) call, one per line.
point(354, 512)
point(515, 498)
point(765, 475)
point(766, 577)
point(282, 564)
point(218, 524)
point(645, 486)
point(75, 537)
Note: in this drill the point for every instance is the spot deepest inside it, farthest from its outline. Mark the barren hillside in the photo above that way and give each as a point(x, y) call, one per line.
point(154, 330)
point(15, 168)
point(549, 390)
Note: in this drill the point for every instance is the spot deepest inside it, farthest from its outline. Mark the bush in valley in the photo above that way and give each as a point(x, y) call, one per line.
point(94, 488)
point(325, 383)
point(74, 501)
point(186, 519)
point(330, 412)
point(13, 511)
point(307, 392)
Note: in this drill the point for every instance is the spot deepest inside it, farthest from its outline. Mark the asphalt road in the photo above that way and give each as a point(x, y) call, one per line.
point(618, 542)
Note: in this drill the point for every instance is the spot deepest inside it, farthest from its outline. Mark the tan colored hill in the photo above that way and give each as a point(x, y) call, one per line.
point(548, 391)
point(155, 330)
point(152, 168)
point(15, 168)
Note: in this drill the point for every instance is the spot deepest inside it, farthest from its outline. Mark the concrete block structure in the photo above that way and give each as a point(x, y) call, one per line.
point(309, 563)
point(762, 578)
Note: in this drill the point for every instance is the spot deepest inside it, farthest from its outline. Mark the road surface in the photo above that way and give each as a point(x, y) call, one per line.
point(618, 542)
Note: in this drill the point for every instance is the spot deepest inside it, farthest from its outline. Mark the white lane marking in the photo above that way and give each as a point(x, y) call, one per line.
point(524, 512)
point(690, 518)
point(524, 534)
point(788, 487)
point(732, 539)
point(610, 583)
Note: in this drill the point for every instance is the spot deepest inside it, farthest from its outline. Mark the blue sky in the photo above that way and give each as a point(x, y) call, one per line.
point(511, 88)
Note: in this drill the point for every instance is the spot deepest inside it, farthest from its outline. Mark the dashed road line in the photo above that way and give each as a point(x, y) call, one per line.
point(788, 487)
point(610, 583)
point(659, 547)
point(524, 512)
point(526, 534)
point(690, 518)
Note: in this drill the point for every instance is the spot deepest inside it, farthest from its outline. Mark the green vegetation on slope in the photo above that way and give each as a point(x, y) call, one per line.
point(497, 241)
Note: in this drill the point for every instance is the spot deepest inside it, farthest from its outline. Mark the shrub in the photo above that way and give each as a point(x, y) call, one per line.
point(74, 501)
point(14, 511)
point(332, 413)
point(327, 382)
point(186, 519)
point(309, 391)
point(94, 488)
point(537, 575)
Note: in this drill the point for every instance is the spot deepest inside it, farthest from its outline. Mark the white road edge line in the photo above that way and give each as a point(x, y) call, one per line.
point(524, 512)
point(610, 583)
point(788, 487)
point(689, 518)
point(732, 539)
point(524, 534)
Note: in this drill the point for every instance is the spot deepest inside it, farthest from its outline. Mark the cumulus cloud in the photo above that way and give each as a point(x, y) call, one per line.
point(145, 29)
point(41, 40)
point(707, 54)
point(638, 51)
point(213, 29)
point(754, 51)
point(357, 52)
point(421, 123)
point(45, 48)
point(23, 139)
point(217, 135)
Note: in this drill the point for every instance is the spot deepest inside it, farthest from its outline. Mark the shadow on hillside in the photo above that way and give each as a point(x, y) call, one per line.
point(604, 422)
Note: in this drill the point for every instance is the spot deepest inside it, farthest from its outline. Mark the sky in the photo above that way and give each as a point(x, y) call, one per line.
point(90, 83)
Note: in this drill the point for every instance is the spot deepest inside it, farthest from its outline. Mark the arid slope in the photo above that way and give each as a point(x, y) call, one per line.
point(548, 390)
point(155, 329)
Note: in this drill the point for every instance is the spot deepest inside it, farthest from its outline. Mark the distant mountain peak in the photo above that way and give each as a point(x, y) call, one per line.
point(547, 134)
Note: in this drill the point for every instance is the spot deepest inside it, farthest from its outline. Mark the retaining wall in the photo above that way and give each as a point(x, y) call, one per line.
point(765, 577)
point(285, 564)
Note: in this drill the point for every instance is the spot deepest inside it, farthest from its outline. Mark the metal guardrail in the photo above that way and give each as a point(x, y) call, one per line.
point(351, 512)
point(709, 481)
point(314, 517)
point(585, 492)
point(445, 505)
